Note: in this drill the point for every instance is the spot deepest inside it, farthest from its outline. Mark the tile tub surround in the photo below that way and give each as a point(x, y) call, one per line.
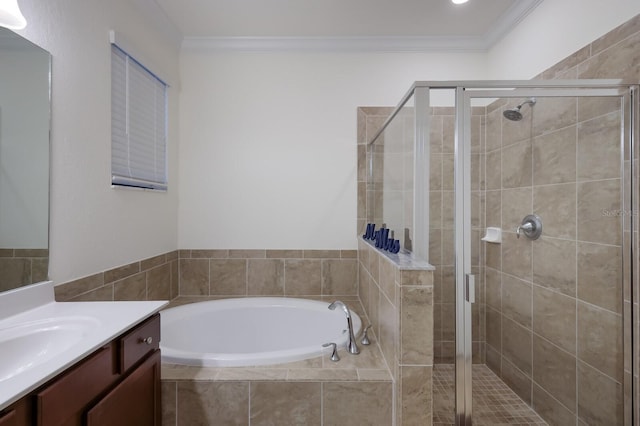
point(155, 278)
point(296, 273)
point(20, 267)
point(316, 391)
point(397, 296)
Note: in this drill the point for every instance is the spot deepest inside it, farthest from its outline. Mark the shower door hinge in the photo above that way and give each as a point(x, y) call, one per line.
point(470, 288)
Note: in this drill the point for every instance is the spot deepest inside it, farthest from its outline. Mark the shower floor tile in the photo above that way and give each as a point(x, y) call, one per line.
point(493, 402)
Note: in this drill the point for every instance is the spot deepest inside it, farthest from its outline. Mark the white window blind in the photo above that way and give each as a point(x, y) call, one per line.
point(138, 124)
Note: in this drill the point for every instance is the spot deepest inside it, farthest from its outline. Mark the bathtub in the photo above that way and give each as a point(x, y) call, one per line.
point(251, 331)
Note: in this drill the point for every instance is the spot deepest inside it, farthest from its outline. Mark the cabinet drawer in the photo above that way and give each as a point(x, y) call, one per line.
point(140, 341)
point(135, 401)
point(67, 396)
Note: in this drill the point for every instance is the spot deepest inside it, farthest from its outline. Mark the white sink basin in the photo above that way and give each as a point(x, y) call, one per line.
point(26, 345)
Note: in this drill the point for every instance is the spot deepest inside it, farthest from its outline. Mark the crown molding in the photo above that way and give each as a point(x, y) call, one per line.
point(516, 13)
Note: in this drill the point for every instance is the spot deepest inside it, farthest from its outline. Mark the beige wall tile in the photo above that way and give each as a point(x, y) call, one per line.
point(121, 272)
point(265, 277)
point(416, 395)
point(228, 277)
point(550, 409)
point(591, 107)
point(71, 289)
point(554, 370)
point(494, 170)
point(209, 254)
point(14, 273)
point(416, 326)
point(516, 255)
point(283, 403)
point(416, 277)
point(599, 399)
point(209, 403)
point(303, 277)
point(556, 206)
point(389, 330)
point(247, 254)
point(131, 288)
point(516, 204)
point(493, 290)
point(600, 340)
point(598, 203)
point(321, 254)
point(599, 148)
point(554, 263)
point(494, 329)
point(387, 279)
point(100, 294)
point(621, 61)
point(168, 404)
point(554, 317)
point(194, 277)
point(517, 380)
point(599, 275)
point(339, 277)
point(553, 113)
point(516, 300)
point(368, 402)
point(517, 165)
point(159, 283)
point(152, 262)
point(516, 345)
point(554, 157)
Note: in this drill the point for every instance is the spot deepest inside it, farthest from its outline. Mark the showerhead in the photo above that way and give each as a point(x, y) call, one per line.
point(514, 114)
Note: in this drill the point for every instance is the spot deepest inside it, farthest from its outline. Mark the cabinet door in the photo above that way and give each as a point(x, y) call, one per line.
point(19, 414)
point(133, 402)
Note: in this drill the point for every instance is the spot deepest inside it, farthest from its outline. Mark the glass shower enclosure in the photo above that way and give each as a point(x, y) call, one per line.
point(523, 195)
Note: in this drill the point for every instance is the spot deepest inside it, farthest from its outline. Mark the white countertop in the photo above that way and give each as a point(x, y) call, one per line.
point(106, 320)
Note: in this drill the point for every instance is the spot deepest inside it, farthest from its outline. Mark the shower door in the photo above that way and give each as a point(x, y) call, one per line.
point(544, 229)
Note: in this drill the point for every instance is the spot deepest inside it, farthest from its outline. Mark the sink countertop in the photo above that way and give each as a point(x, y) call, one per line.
point(112, 319)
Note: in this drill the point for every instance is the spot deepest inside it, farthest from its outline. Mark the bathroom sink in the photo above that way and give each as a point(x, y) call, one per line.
point(24, 346)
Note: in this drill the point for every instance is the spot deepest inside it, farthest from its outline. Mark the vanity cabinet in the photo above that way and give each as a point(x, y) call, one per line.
point(118, 384)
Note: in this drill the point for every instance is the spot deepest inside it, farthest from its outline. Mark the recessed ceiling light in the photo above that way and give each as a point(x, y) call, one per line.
point(459, 1)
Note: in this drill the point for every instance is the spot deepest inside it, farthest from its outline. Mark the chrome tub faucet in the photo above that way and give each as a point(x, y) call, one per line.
point(352, 346)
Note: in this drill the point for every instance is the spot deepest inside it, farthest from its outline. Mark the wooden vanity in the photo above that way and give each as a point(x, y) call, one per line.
point(118, 384)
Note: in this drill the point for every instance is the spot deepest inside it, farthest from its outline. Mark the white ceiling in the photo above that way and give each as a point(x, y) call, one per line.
point(479, 22)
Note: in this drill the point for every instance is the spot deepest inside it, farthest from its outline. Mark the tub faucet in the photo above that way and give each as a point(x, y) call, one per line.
point(353, 347)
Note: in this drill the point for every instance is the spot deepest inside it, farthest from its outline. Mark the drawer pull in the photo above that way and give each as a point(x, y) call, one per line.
point(148, 340)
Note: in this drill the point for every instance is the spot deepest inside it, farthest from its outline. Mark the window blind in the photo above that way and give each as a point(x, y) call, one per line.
point(138, 124)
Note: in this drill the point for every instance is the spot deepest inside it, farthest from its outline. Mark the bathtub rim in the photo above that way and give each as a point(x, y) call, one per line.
point(198, 359)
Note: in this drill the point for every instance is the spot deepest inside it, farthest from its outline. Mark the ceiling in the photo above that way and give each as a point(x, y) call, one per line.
point(478, 23)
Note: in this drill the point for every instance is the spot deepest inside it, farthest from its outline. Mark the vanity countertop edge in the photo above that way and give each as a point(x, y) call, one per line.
point(108, 321)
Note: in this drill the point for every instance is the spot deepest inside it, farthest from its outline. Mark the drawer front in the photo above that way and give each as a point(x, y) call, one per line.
point(142, 340)
point(70, 393)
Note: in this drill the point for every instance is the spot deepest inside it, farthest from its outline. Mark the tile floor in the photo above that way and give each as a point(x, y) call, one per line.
point(493, 402)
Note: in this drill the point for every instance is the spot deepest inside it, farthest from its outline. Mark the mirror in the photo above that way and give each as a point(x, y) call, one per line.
point(25, 71)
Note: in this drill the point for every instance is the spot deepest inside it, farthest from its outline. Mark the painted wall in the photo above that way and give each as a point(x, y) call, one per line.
point(268, 141)
point(95, 227)
point(553, 31)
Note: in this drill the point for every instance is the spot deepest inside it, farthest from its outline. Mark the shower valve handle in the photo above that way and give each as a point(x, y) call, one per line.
point(531, 227)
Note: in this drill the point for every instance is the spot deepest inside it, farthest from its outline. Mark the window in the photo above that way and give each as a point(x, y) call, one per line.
point(138, 124)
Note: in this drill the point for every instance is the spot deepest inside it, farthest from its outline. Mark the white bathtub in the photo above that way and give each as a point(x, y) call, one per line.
point(251, 331)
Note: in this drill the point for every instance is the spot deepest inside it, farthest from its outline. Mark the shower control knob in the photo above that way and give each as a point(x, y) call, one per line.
point(531, 227)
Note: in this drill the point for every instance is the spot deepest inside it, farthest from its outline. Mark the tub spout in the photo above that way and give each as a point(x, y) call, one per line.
point(352, 346)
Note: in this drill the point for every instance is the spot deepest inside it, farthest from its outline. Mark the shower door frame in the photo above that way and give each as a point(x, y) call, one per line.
point(465, 286)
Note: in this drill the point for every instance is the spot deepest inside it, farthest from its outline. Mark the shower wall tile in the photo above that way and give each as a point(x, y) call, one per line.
point(550, 409)
point(599, 148)
point(600, 397)
point(599, 340)
point(516, 165)
point(517, 380)
point(516, 345)
point(554, 157)
point(516, 204)
point(598, 212)
point(554, 370)
point(554, 318)
point(556, 204)
point(592, 107)
point(338, 277)
point(553, 113)
point(599, 276)
point(516, 300)
point(516, 256)
point(554, 264)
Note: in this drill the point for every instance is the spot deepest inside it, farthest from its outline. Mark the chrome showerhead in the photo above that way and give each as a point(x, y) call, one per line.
point(514, 114)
